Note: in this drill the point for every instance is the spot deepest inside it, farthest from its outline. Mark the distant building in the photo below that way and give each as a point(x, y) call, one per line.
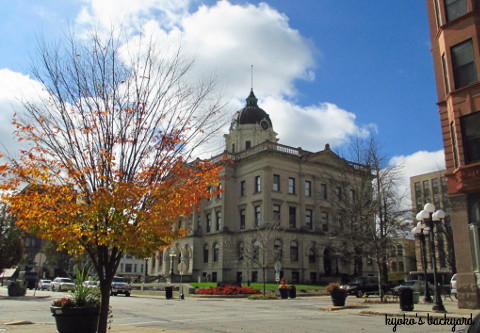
point(432, 188)
point(455, 39)
point(403, 260)
point(131, 268)
point(266, 183)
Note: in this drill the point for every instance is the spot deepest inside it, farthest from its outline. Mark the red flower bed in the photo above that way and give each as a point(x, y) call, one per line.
point(228, 290)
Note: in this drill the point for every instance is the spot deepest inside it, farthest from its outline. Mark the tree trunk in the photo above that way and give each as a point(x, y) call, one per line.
point(105, 287)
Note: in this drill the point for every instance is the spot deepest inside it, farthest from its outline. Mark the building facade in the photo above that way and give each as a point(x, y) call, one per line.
point(403, 261)
point(432, 188)
point(455, 31)
point(277, 200)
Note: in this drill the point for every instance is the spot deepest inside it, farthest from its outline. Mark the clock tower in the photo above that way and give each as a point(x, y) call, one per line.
point(250, 126)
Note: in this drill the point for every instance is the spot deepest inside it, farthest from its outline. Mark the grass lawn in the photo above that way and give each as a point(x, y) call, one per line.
point(256, 285)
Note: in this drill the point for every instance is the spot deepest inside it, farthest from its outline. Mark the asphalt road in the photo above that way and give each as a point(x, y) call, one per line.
point(217, 315)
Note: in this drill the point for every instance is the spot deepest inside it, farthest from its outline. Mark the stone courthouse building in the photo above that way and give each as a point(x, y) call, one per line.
point(266, 184)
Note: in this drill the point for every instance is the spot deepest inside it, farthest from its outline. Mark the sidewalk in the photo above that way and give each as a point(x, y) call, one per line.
point(354, 306)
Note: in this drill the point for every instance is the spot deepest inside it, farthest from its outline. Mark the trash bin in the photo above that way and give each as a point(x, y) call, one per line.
point(292, 292)
point(406, 299)
point(168, 292)
point(416, 297)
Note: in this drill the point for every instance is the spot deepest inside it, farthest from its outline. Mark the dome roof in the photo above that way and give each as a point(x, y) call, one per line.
point(252, 114)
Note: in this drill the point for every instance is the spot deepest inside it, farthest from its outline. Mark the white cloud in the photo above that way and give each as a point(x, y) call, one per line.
point(317, 125)
point(227, 39)
point(14, 87)
point(416, 164)
point(131, 14)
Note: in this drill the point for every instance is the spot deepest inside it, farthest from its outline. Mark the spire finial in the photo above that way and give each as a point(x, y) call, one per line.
point(251, 77)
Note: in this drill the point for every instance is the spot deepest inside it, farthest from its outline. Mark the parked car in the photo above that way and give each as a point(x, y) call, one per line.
point(362, 285)
point(120, 286)
point(62, 284)
point(417, 286)
point(453, 286)
point(90, 284)
point(44, 284)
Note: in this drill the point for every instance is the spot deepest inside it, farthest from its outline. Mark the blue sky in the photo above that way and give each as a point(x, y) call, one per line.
point(325, 70)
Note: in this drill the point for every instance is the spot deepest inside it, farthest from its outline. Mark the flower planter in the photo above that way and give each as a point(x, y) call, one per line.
point(339, 297)
point(16, 290)
point(76, 319)
point(283, 293)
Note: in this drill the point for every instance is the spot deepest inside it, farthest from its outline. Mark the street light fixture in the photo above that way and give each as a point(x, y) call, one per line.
point(172, 257)
point(420, 232)
point(429, 217)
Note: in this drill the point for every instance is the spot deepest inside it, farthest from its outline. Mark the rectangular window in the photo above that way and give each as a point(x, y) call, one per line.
point(233, 147)
point(134, 268)
point(323, 191)
point(292, 217)
point(128, 268)
point(209, 222)
point(455, 9)
point(258, 216)
point(242, 188)
point(352, 195)
point(295, 277)
point(214, 276)
point(218, 220)
point(308, 218)
point(426, 191)
point(308, 188)
point(254, 276)
point(471, 137)
point(205, 254)
point(257, 184)
point(248, 144)
point(291, 185)
point(453, 135)
point(446, 77)
point(324, 221)
point(438, 15)
point(339, 193)
point(463, 62)
point(219, 195)
point(242, 219)
point(276, 214)
point(276, 183)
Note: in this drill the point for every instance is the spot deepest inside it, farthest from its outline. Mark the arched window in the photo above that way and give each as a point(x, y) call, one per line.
point(293, 251)
point(240, 251)
point(312, 257)
point(205, 253)
point(277, 249)
point(256, 250)
point(216, 251)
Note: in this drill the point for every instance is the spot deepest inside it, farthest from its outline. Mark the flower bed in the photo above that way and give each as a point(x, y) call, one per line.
point(228, 290)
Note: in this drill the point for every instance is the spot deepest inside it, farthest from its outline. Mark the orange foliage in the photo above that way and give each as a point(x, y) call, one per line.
point(135, 215)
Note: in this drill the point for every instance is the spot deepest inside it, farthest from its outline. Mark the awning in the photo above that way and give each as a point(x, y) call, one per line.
point(8, 273)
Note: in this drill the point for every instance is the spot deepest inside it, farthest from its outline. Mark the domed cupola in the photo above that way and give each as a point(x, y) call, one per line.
point(250, 126)
point(252, 114)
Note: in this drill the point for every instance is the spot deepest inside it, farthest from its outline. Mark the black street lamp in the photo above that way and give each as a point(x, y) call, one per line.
point(428, 215)
point(172, 258)
point(420, 232)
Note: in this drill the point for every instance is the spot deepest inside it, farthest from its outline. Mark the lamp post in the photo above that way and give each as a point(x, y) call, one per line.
point(429, 216)
point(172, 256)
point(420, 232)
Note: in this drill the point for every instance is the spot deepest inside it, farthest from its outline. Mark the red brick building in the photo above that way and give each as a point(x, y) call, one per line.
point(455, 31)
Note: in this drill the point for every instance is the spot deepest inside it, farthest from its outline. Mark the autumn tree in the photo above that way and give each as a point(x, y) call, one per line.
point(370, 208)
point(257, 248)
point(112, 139)
point(11, 242)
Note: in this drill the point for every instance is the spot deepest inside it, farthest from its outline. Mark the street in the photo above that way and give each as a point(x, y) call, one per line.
point(214, 315)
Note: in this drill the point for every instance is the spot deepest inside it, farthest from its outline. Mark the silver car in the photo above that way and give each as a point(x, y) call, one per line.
point(62, 284)
point(44, 284)
point(453, 286)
